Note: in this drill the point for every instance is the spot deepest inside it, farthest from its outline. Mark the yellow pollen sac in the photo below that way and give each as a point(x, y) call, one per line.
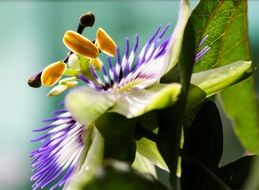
point(70, 82)
point(57, 90)
point(105, 43)
point(96, 63)
point(53, 73)
point(80, 45)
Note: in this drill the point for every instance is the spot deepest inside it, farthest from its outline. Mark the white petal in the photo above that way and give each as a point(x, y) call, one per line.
point(138, 101)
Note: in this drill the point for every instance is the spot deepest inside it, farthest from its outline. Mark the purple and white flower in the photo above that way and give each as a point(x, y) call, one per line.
point(128, 85)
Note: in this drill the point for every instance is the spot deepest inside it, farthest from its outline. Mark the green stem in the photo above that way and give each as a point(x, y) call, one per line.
point(146, 133)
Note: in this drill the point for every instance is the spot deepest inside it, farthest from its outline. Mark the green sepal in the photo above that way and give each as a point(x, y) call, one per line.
point(215, 80)
point(144, 165)
point(149, 150)
point(93, 160)
point(86, 105)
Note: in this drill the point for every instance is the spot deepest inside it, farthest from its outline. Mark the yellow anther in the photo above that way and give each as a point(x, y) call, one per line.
point(96, 63)
point(67, 80)
point(53, 73)
point(105, 43)
point(57, 90)
point(80, 45)
point(71, 84)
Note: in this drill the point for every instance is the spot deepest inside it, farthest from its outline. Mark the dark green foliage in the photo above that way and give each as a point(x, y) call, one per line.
point(203, 141)
point(119, 134)
point(236, 173)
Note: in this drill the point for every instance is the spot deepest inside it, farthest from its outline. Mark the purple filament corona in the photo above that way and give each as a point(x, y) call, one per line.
point(57, 158)
point(128, 64)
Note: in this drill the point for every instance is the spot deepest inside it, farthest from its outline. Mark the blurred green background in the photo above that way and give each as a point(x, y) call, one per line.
point(31, 37)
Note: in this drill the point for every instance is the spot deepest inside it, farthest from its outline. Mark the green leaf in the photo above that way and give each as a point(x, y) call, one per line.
point(215, 80)
point(221, 20)
point(93, 161)
point(118, 175)
point(203, 140)
point(177, 36)
point(236, 173)
point(118, 133)
point(227, 46)
point(253, 182)
point(86, 105)
point(139, 101)
point(242, 107)
point(147, 121)
point(149, 149)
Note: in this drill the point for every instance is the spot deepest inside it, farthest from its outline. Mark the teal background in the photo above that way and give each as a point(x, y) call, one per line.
point(31, 37)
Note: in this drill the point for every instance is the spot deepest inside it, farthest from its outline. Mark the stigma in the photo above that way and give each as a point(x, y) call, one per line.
point(83, 55)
